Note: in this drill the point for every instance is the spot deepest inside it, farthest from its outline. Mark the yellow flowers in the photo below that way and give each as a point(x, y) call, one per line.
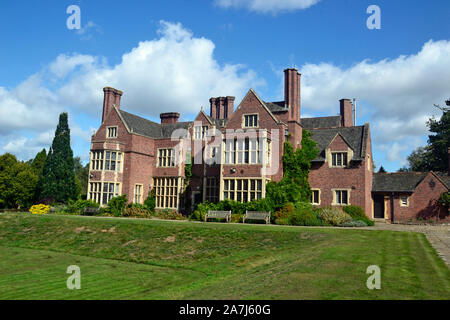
point(39, 209)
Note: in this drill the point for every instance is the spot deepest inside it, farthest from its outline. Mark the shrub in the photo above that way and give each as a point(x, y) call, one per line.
point(78, 206)
point(284, 213)
point(137, 210)
point(357, 213)
point(354, 223)
point(168, 214)
point(282, 221)
point(333, 216)
point(237, 218)
point(150, 201)
point(40, 209)
point(304, 215)
point(201, 210)
point(116, 205)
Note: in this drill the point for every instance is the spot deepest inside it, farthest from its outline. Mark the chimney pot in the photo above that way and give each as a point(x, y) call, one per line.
point(169, 117)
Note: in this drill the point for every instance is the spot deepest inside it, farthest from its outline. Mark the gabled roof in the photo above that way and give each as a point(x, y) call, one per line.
point(397, 182)
point(355, 137)
point(275, 107)
point(444, 177)
point(251, 91)
point(149, 128)
point(321, 122)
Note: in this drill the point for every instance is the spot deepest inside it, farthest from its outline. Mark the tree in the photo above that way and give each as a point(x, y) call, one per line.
point(37, 164)
point(381, 170)
point(81, 177)
point(433, 157)
point(17, 183)
point(57, 181)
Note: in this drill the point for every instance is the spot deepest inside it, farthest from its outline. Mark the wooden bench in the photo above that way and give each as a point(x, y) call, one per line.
point(257, 215)
point(218, 215)
point(90, 211)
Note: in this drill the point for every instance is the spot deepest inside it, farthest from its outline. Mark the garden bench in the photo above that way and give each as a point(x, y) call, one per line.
point(218, 215)
point(257, 215)
point(91, 211)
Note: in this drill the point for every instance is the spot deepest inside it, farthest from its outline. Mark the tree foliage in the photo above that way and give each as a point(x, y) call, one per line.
point(433, 157)
point(81, 177)
point(57, 181)
point(17, 183)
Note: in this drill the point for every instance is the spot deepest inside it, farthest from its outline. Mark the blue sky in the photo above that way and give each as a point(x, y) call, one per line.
point(174, 55)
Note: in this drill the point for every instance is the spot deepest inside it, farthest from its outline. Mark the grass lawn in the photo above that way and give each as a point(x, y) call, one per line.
point(150, 259)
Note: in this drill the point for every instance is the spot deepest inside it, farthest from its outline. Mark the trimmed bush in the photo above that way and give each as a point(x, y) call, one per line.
point(168, 214)
point(237, 218)
point(39, 209)
point(357, 213)
point(333, 216)
point(137, 210)
point(201, 210)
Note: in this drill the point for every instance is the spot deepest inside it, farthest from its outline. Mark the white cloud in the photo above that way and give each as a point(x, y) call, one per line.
point(176, 72)
point(267, 6)
point(397, 94)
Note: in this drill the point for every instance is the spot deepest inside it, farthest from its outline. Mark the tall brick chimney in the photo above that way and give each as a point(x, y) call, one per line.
point(346, 113)
point(221, 107)
point(169, 117)
point(111, 98)
point(292, 93)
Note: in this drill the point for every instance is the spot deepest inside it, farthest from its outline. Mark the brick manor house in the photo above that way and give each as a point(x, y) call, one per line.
point(236, 151)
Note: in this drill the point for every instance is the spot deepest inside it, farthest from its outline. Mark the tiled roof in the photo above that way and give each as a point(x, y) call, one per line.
point(444, 177)
point(321, 122)
point(276, 106)
point(355, 137)
point(149, 128)
point(397, 182)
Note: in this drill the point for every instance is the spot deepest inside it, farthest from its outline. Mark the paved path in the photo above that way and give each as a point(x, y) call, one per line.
point(438, 235)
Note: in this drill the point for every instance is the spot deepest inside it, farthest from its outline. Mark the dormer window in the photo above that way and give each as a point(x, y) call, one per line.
point(339, 159)
point(112, 132)
point(250, 121)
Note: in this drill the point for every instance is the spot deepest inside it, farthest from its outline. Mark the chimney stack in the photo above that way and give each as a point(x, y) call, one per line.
point(169, 117)
point(111, 98)
point(292, 93)
point(221, 107)
point(346, 113)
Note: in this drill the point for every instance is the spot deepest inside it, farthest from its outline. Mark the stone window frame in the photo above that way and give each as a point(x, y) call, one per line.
point(168, 160)
point(344, 164)
point(200, 132)
point(99, 161)
point(402, 204)
point(110, 130)
point(167, 192)
point(238, 151)
point(312, 196)
point(243, 189)
point(97, 191)
point(212, 189)
point(138, 196)
point(246, 116)
point(335, 190)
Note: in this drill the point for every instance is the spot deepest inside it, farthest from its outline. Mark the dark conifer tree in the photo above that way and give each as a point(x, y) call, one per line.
point(57, 181)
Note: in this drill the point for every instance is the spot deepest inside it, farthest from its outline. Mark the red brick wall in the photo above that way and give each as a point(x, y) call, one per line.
point(422, 202)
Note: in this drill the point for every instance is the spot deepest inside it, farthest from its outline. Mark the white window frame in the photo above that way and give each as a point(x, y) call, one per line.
point(166, 192)
point(200, 132)
point(138, 191)
point(242, 189)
